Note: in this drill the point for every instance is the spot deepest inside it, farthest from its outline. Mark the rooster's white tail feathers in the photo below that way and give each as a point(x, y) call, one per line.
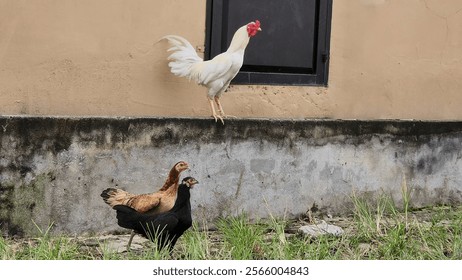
point(183, 57)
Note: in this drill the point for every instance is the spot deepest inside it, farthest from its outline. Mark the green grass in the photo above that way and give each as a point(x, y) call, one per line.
point(242, 241)
point(4, 249)
point(197, 245)
point(43, 247)
point(377, 229)
point(397, 232)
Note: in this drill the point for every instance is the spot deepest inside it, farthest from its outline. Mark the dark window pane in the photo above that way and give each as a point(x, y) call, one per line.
point(288, 33)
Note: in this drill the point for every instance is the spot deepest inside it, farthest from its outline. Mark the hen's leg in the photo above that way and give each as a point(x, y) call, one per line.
point(220, 109)
point(214, 113)
point(130, 240)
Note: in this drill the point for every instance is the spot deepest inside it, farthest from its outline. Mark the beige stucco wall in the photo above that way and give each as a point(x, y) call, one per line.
point(389, 59)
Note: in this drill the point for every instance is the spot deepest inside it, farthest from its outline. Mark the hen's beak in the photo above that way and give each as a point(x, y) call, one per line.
point(194, 183)
point(259, 29)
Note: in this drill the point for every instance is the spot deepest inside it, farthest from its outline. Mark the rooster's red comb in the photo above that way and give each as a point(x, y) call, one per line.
point(253, 27)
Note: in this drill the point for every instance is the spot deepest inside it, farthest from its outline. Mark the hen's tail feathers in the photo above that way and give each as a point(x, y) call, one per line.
point(183, 57)
point(114, 197)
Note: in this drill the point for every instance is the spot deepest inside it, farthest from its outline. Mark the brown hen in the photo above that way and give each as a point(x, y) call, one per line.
point(157, 202)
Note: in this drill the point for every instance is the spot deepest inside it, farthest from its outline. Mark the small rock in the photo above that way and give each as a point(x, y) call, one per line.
point(321, 229)
point(364, 248)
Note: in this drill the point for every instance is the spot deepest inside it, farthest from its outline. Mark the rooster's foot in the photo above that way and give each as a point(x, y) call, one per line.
point(216, 117)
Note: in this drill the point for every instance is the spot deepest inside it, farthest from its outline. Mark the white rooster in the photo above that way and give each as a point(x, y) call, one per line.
point(215, 74)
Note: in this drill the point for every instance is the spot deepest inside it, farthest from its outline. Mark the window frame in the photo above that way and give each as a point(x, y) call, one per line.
point(215, 22)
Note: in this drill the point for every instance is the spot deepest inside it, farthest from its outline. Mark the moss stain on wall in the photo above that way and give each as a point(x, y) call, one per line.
point(21, 206)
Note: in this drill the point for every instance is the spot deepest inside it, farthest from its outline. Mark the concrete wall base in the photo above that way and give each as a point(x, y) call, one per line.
point(53, 169)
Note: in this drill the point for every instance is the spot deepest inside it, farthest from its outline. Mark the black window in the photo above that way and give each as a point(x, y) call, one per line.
point(293, 47)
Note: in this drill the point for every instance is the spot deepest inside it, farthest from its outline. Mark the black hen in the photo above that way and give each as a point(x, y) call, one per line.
point(166, 227)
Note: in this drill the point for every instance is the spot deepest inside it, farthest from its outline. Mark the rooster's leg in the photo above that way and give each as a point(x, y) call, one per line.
point(220, 109)
point(130, 240)
point(214, 113)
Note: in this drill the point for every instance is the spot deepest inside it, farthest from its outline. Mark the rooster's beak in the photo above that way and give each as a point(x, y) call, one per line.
point(259, 29)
